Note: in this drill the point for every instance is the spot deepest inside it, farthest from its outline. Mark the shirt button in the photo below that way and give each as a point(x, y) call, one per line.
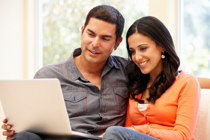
point(101, 114)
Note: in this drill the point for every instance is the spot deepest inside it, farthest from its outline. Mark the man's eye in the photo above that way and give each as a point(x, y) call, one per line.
point(90, 34)
point(106, 39)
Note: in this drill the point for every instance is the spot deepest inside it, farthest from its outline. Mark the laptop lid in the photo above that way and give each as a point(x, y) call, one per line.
point(35, 105)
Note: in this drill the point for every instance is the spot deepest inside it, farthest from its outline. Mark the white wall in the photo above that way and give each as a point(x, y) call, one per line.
point(167, 12)
point(17, 41)
point(11, 42)
point(11, 39)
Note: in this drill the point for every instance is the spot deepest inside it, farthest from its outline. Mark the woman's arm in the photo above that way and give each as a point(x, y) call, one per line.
point(204, 82)
point(187, 113)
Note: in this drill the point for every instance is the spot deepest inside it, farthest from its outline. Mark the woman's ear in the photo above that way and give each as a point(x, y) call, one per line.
point(162, 49)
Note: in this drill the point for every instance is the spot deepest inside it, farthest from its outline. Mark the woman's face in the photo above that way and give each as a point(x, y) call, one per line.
point(146, 54)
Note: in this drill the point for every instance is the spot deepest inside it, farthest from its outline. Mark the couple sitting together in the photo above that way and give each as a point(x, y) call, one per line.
point(145, 97)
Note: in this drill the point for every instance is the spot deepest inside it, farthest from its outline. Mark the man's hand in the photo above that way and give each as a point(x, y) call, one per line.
point(8, 133)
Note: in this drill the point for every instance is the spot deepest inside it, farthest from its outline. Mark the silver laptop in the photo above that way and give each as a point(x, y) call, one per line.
point(37, 106)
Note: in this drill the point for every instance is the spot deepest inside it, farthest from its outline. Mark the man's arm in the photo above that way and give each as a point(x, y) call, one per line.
point(204, 82)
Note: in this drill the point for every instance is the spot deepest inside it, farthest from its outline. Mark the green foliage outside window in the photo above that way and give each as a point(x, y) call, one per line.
point(196, 37)
point(63, 19)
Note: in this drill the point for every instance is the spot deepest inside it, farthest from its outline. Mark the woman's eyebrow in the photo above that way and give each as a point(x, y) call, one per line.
point(142, 45)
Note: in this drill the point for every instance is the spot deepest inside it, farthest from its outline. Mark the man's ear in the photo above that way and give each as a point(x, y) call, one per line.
point(82, 29)
point(118, 43)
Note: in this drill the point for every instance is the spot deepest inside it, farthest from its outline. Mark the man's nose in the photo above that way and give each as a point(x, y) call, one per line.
point(96, 42)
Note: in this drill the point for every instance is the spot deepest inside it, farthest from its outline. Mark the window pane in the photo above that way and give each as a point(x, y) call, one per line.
point(62, 20)
point(195, 50)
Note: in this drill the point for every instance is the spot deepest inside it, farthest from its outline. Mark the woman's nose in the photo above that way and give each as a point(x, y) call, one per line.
point(138, 56)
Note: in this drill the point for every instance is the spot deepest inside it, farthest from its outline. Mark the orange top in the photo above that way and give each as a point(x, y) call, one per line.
point(174, 114)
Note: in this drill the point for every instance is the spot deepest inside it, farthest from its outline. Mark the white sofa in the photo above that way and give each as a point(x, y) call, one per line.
point(202, 131)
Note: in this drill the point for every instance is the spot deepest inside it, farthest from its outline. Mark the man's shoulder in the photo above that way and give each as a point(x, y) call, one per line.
point(118, 60)
point(51, 70)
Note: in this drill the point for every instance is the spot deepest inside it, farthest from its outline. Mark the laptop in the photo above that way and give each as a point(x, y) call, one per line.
point(37, 106)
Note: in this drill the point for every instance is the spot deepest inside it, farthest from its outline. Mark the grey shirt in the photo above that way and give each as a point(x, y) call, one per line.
point(92, 110)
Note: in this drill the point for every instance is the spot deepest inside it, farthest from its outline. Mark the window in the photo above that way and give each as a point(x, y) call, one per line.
point(62, 20)
point(195, 37)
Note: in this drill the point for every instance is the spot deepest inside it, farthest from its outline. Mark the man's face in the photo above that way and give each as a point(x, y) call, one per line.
point(98, 40)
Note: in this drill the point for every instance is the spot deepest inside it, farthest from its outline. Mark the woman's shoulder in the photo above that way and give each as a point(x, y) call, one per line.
point(186, 78)
point(183, 75)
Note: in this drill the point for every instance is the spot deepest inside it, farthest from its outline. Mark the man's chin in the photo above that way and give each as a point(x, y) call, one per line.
point(95, 61)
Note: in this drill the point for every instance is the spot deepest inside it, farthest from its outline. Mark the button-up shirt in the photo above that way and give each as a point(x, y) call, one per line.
point(91, 110)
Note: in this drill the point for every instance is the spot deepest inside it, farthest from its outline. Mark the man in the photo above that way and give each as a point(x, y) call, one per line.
point(93, 82)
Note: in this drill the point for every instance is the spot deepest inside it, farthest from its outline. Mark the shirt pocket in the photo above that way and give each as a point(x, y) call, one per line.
point(121, 98)
point(76, 103)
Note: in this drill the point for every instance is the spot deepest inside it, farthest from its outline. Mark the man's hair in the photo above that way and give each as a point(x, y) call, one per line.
point(108, 14)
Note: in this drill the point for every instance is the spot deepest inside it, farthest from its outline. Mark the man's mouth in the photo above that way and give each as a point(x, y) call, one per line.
point(94, 52)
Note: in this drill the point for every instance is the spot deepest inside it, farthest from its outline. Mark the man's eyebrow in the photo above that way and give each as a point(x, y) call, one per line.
point(90, 31)
point(107, 36)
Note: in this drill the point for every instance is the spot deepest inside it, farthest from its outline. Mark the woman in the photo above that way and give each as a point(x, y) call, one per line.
point(164, 102)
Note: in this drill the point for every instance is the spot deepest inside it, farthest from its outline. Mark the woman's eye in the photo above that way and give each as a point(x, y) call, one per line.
point(131, 52)
point(143, 48)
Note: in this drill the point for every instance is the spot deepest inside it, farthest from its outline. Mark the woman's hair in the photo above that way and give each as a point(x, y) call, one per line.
point(154, 29)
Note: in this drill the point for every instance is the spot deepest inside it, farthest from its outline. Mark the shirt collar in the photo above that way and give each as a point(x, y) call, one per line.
point(111, 62)
point(75, 74)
